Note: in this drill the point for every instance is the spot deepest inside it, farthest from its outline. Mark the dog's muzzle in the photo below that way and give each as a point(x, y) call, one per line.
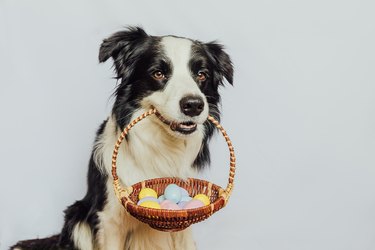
point(181, 127)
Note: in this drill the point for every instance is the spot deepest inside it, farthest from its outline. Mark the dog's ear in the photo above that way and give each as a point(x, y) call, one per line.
point(222, 61)
point(122, 47)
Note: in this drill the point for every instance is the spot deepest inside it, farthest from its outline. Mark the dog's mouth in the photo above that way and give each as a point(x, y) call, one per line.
point(181, 127)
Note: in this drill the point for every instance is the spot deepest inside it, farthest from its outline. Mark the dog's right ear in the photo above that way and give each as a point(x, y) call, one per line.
point(121, 46)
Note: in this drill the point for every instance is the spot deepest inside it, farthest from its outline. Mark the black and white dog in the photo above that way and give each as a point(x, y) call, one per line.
point(180, 77)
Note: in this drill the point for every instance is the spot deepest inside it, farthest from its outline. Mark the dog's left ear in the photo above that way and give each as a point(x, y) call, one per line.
point(222, 61)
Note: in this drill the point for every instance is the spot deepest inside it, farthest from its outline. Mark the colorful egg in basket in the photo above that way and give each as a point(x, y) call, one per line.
point(166, 219)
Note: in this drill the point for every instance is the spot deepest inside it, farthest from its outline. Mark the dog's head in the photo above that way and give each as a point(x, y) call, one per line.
point(178, 76)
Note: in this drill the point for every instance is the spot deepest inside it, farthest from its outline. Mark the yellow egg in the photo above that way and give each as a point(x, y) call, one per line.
point(150, 204)
point(147, 192)
point(203, 198)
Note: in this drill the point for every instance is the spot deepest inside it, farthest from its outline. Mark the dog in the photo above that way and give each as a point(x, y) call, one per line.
point(180, 77)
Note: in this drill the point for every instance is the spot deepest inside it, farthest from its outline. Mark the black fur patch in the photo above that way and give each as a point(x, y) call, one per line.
point(50, 243)
point(86, 209)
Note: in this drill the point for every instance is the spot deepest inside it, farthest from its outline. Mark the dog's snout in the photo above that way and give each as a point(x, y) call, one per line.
point(192, 105)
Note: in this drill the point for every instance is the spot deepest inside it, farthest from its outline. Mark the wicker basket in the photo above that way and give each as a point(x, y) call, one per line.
point(173, 220)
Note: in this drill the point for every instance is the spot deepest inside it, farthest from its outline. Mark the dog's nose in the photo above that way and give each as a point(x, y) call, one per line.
point(192, 105)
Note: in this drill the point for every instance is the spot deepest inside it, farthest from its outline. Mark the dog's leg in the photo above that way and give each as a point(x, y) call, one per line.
point(113, 226)
point(183, 240)
point(146, 238)
point(110, 236)
point(82, 236)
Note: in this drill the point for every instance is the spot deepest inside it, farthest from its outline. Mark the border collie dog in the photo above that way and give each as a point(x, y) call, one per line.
point(179, 77)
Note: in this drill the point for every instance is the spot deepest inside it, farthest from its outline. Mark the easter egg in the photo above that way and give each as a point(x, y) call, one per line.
point(147, 192)
point(149, 198)
point(184, 192)
point(193, 204)
point(182, 204)
point(167, 204)
point(161, 198)
point(185, 198)
point(203, 198)
point(173, 193)
point(150, 204)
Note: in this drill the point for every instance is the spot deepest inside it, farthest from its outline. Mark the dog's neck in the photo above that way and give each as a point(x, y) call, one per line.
point(149, 151)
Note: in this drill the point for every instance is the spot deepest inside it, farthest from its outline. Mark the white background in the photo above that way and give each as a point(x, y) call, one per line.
point(301, 115)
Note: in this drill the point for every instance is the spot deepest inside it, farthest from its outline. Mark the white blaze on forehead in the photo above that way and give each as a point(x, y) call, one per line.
point(178, 50)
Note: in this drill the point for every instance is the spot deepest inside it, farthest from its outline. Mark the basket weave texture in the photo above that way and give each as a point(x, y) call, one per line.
point(173, 220)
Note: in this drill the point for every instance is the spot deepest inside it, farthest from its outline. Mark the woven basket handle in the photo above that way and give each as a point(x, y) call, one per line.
point(121, 192)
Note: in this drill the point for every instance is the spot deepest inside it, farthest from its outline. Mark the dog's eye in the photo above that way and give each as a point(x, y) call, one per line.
point(201, 76)
point(158, 75)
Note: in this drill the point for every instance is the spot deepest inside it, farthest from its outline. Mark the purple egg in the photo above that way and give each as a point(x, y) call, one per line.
point(193, 204)
point(167, 204)
point(149, 198)
point(182, 204)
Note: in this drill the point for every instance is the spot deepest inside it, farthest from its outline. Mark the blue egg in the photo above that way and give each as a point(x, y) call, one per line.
point(161, 198)
point(184, 192)
point(185, 198)
point(173, 193)
point(149, 198)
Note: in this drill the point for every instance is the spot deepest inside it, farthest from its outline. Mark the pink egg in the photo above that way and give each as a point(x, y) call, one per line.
point(167, 204)
point(193, 204)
